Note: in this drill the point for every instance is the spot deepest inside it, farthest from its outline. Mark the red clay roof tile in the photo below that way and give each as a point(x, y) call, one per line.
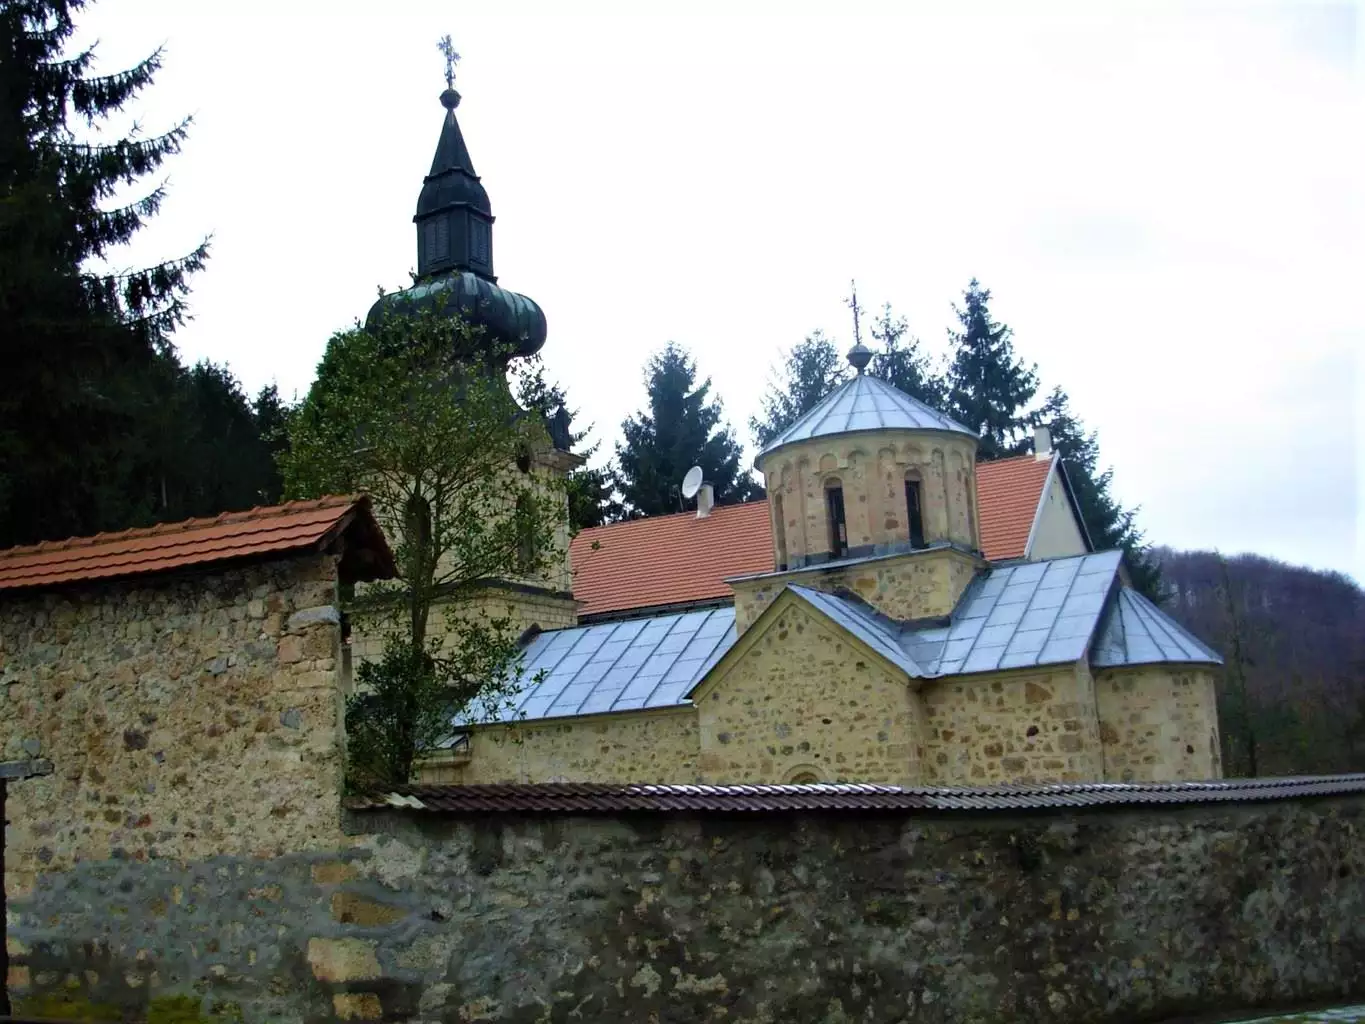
point(669, 559)
point(1009, 492)
point(269, 530)
point(678, 559)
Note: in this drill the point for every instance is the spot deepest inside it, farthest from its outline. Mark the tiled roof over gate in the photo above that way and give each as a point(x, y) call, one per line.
point(257, 532)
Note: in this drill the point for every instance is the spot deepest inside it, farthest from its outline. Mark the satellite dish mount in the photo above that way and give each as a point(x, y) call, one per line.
point(694, 485)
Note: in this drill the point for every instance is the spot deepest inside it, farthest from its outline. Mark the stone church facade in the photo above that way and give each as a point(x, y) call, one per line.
point(882, 646)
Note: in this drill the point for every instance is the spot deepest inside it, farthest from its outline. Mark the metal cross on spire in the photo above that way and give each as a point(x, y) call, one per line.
point(447, 48)
point(852, 303)
point(859, 355)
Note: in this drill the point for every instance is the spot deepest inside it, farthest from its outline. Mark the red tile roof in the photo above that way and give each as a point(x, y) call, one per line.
point(274, 530)
point(669, 559)
point(1009, 492)
point(604, 798)
point(677, 559)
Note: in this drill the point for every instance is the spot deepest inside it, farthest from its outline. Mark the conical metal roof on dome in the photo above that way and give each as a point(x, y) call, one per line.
point(863, 404)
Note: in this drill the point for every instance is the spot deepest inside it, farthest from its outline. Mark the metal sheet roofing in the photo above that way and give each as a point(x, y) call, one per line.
point(1137, 632)
point(1039, 613)
point(618, 666)
point(272, 530)
point(590, 798)
point(865, 403)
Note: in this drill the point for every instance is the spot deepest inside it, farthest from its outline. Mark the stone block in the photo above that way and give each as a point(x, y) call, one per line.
point(323, 615)
point(352, 908)
point(357, 1006)
point(333, 872)
point(343, 960)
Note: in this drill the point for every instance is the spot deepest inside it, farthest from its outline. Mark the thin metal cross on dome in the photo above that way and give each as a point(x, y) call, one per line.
point(452, 58)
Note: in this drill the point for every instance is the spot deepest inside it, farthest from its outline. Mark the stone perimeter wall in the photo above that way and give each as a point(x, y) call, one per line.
point(1105, 916)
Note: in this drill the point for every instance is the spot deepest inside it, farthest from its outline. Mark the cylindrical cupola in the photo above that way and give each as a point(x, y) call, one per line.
point(869, 471)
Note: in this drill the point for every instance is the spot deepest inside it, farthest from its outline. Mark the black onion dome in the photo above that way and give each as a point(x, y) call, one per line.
point(454, 223)
point(511, 321)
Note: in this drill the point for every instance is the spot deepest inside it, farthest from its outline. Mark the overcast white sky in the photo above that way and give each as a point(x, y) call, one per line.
point(1165, 199)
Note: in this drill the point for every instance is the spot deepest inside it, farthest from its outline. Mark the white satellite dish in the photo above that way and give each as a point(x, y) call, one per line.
point(692, 483)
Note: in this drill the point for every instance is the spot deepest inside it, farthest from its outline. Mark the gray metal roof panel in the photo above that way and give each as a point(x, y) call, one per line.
point(1029, 613)
point(1137, 632)
point(615, 666)
point(862, 623)
point(864, 403)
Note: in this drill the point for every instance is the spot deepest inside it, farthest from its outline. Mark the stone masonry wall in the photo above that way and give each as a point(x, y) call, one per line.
point(184, 718)
point(1037, 725)
point(803, 701)
point(1158, 724)
point(921, 584)
point(641, 746)
point(1101, 917)
point(524, 607)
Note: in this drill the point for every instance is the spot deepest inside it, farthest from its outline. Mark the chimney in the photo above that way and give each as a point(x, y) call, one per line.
point(1042, 443)
point(706, 497)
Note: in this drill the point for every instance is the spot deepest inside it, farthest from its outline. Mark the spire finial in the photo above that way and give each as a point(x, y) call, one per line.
point(450, 99)
point(859, 355)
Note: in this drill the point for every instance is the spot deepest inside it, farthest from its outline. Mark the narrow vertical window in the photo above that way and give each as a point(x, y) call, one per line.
point(779, 532)
point(915, 509)
point(838, 528)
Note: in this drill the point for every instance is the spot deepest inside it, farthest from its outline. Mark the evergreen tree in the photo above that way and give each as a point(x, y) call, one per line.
point(84, 350)
point(1108, 523)
point(807, 373)
point(681, 429)
point(903, 364)
point(591, 489)
point(988, 389)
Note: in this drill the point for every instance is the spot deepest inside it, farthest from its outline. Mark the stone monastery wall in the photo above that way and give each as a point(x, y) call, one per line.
point(187, 858)
point(184, 717)
point(1158, 723)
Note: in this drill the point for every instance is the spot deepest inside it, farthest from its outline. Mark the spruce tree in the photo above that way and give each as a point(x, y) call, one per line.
point(591, 490)
point(806, 374)
point(903, 364)
point(1109, 524)
point(988, 388)
point(85, 351)
point(682, 428)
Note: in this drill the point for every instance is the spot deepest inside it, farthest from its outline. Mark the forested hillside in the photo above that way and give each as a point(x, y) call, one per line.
point(1293, 692)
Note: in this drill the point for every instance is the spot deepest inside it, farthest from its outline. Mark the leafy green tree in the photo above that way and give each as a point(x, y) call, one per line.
point(443, 449)
point(682, 428)
point(805, 375)
point(989, 389)
point(1109, 524)
point(84, 391)
point(902, 363)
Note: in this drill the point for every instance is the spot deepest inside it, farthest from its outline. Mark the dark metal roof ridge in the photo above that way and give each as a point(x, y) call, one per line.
point(652, 611)
point(939, 545)
point(600, 798)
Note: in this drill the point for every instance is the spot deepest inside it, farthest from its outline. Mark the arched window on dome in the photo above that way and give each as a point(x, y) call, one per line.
point(779, 533)
point(834, 513)
point(914, 508)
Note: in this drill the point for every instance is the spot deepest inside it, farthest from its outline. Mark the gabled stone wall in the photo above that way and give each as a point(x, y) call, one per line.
point(804, 702)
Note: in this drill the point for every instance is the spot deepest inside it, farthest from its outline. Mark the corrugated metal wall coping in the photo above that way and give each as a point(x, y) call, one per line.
point(596, 798)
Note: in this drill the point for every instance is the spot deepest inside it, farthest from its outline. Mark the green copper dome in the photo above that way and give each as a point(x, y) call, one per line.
point(455, 250)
